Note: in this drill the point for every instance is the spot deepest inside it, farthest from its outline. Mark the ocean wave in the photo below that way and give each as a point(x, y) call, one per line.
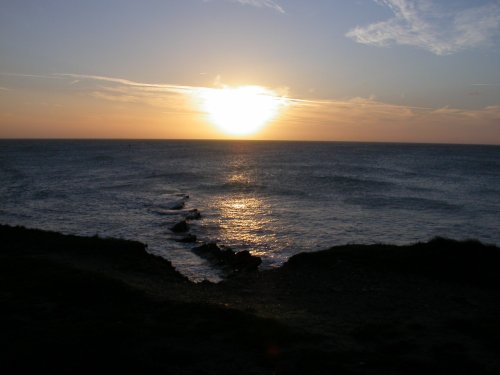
point(48, 194)
point(353, 183)
point(232, 186)
point(173, 176)
point(101, 159)
point(403, 203)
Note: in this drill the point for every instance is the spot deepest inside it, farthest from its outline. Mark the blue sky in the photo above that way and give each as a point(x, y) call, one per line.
point(436, 55)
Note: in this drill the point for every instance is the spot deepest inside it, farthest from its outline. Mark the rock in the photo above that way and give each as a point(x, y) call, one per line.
point(180, 227)
point(179, 205)
point(208, 250)
point(245, 260)
point(227, 259)
point(189, 238)
point(193, 214)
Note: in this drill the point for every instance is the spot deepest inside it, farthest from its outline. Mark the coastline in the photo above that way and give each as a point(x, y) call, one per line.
point(83, 304)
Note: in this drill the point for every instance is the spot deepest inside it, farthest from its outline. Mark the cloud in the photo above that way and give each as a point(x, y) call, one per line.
point(352, 119)
point(125, 82)
point(366, 119)
point(20, 75)
point(358, 109)
point(167, 97)
point(357, 118)
point(431, 26)
point(261, 4)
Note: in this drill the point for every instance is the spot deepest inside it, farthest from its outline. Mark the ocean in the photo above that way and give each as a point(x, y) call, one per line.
point(274, 199)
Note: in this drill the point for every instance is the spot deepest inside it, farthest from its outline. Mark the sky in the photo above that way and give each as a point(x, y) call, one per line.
point(339, 70)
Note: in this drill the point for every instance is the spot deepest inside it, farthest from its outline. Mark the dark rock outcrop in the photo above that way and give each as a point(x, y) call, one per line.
point(188, 238)
point(180, 227)
point(178, 205)
point(193, 214)
point(429, 308)
point(227, 259)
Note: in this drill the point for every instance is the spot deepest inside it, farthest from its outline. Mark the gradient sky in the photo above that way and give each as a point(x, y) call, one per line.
point(353, 70)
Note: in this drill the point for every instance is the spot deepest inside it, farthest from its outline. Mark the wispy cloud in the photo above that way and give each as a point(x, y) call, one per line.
point(260, 4)
point(430, 25)
point(486, 84)
point(167, 97)
point(21, 75)
point(358, 118)
point(125, 82)
point(366, 119)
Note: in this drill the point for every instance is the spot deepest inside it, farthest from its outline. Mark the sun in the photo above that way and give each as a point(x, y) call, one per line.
point(241, 110)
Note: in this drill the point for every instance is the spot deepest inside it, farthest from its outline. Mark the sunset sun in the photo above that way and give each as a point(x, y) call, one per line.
point(241, 110)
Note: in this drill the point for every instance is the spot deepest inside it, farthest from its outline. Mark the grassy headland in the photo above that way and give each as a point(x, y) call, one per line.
point(77, 304)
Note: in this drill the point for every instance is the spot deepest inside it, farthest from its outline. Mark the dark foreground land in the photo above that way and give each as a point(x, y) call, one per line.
point(88, 305)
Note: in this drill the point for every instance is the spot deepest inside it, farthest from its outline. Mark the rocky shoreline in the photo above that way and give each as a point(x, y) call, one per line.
point(81, 304)
point(221, 257)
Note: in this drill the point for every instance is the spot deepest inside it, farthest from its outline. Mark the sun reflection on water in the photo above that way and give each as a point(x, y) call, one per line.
point(245, 221)
point(239, 178)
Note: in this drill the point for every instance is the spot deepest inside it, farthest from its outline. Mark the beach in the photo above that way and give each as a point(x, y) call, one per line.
point(79, 304)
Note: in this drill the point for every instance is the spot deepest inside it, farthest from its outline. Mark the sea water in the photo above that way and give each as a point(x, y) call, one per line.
point(274, 199)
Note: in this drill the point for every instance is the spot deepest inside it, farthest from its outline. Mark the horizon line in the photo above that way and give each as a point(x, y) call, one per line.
point(243, 140)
